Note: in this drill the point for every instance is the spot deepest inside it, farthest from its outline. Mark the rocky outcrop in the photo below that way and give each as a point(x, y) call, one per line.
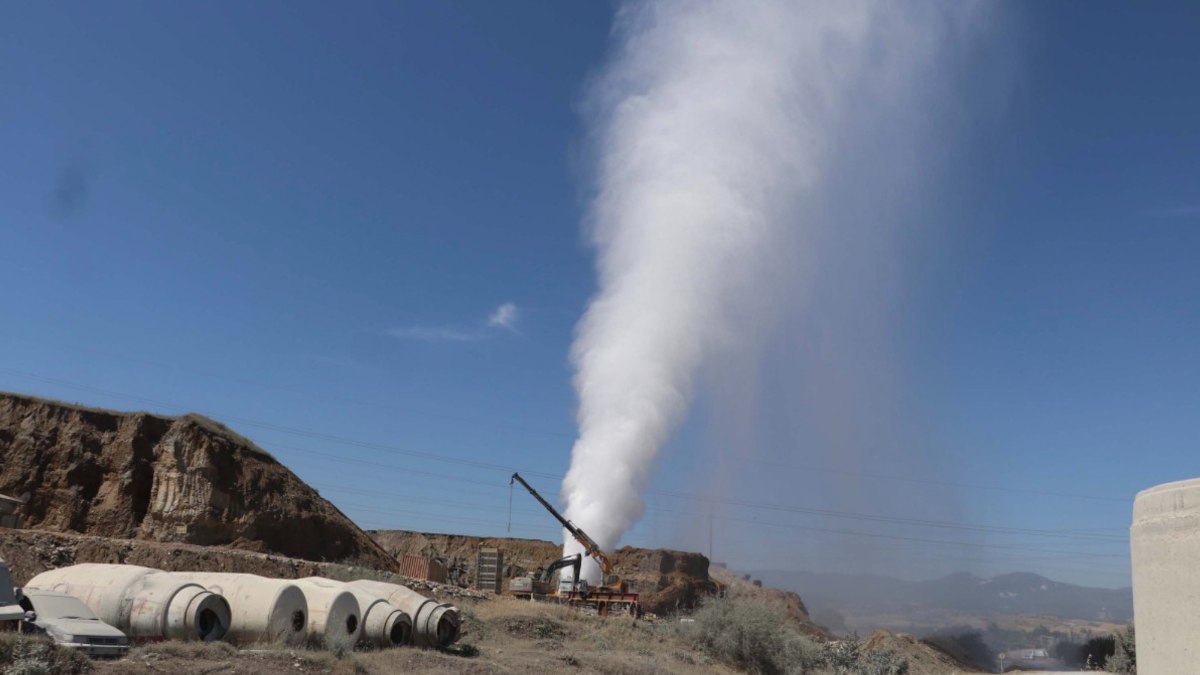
point(669, 581)
point(172, 479)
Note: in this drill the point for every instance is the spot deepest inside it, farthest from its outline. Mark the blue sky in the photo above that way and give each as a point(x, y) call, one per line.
point(300, 218)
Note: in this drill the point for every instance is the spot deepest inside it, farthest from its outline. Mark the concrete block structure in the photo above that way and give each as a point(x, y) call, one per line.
point(1165, 550)
point(489, 570)
point(10, 511)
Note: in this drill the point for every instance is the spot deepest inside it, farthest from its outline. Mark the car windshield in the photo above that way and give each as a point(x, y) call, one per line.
point(60, 607)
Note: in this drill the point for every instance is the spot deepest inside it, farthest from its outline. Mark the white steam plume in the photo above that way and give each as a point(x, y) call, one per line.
point(714, 125)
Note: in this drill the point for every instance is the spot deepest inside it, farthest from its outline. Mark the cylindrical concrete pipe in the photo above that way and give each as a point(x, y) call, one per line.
point(264, 610)
point(382, 624)
point(147, 604)
point(1165, 550)
point(333, 614)
point(433, 624)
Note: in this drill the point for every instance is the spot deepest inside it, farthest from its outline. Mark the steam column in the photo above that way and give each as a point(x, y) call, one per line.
point(1165, 548)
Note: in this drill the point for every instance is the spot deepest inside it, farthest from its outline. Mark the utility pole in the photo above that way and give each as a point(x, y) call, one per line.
point(710, 530)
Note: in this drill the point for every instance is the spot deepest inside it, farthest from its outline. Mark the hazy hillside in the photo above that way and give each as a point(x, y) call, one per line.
point(1017, 593)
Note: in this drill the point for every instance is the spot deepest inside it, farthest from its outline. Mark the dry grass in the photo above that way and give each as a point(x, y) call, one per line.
point(511, 636)
point(34, 655)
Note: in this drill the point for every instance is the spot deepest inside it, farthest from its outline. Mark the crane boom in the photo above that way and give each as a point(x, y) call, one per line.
point(589, 545)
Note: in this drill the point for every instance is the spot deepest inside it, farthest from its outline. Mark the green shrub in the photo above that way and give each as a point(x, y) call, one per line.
point(750, 635)
point(1124, 657)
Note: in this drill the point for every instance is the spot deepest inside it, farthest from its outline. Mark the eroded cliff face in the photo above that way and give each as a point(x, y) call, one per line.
point(178, 479)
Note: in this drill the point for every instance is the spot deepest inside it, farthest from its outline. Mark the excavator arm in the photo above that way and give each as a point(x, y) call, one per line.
point(590, 547)
point(572, 561)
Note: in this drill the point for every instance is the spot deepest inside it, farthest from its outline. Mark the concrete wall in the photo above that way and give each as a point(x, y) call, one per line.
point(1165, 550)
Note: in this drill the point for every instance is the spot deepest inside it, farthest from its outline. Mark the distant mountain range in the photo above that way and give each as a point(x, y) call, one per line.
point(1017, 593)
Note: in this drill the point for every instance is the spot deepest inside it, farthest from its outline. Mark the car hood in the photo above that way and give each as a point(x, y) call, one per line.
point(80, 627)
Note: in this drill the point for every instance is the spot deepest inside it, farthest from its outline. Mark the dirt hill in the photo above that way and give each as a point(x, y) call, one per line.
point(170, 479)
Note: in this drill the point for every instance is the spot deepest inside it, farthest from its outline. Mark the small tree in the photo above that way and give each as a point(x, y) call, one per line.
point(1124, 657)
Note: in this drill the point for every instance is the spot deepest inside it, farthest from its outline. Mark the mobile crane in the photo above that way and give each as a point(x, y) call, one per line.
point(610, 597)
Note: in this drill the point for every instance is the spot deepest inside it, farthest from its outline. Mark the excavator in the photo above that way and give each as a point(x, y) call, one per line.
point(611, 597)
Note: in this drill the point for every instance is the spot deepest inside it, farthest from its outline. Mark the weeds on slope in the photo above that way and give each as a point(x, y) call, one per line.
point(753, 635)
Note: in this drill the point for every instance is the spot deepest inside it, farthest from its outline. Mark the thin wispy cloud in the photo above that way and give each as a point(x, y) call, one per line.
point(505, 317)
point(1192, 211)
point(432, 334)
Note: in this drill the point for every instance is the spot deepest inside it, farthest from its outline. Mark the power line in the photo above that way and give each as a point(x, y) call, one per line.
point(386, 448)
point(929, 481)
point(497, 467)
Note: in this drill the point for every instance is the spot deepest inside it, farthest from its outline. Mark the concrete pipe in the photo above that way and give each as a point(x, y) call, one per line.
point(433, 624)
point(382, 624)
point(146, 604)
point(264, 610)
point(333, 615)
point(1165, 550)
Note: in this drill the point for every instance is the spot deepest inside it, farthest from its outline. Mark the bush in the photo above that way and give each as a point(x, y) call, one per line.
point(880, 662)
point(1124, 657)
point(847, 657)
point(750, 635)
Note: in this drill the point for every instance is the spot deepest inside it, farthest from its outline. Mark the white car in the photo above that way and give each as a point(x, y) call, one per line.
point(67, 621)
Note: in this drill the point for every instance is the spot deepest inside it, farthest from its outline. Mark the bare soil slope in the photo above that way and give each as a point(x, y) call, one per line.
point(171, 479)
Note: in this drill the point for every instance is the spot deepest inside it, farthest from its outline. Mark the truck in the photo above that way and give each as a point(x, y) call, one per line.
point(612, 597)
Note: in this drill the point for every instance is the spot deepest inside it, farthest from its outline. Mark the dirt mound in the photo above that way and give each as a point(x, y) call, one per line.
point(459, 551)
point(922, 657)
point(174, 479)
point(667, 580)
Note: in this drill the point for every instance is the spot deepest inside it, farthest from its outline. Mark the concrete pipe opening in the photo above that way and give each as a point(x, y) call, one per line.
point(210, 618)
point(447, 631)
point(333, 613)
point(209, 626)
point(297, 621)
point(400, 634)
